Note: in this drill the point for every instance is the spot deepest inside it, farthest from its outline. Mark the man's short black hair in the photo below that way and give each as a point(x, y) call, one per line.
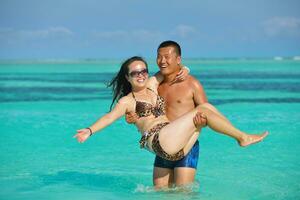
point(171, 43)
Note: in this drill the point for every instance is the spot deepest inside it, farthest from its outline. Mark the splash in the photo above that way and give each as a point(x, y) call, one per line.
point(186, 189)
point(140, 188)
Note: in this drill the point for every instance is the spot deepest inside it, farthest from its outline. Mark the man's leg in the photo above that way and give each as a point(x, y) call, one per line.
point(184, 175)
point(181, 172)
point(186, 168)
point(163, 177)
point(163, 173)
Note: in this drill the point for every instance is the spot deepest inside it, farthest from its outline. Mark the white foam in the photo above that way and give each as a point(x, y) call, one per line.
point(278, 58)
point(296, 57)
point(140, 188)
point(190, 188)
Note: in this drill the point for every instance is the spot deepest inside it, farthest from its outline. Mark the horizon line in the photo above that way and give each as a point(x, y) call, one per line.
point(148, 58)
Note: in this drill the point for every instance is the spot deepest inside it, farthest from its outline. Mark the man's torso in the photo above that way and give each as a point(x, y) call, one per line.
point(179, 98)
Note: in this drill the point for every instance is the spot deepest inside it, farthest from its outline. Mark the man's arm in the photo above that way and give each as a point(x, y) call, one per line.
point(201, 99)
point(131, 117)
point(199, 95)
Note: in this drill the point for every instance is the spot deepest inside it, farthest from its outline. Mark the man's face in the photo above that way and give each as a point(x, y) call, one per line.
point(168, 61)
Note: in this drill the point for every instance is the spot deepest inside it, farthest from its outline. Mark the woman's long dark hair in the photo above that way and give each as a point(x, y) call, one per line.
point(120, 85)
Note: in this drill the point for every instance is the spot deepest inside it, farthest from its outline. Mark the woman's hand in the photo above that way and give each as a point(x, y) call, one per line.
point(182, 74)
point(82, 135)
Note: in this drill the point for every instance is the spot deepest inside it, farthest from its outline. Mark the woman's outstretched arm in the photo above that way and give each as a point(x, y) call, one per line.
point(118, 111)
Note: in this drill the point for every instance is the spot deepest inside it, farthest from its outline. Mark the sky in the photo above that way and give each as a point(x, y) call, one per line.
point(95, 29)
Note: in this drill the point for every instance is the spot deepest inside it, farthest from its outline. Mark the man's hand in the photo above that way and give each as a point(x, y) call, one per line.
point(131, 117)
point(200, 120)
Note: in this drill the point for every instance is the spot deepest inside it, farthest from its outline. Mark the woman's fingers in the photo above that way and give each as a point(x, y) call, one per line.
point(177, 79)
point(180, 75)
point(180, 78)
point(80, 140)
point(82, 135)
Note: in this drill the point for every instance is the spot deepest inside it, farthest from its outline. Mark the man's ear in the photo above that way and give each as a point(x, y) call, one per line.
point(127, 78)
point(178, 60)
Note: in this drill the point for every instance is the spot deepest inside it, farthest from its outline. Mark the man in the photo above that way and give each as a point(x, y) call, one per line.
point(181, 97)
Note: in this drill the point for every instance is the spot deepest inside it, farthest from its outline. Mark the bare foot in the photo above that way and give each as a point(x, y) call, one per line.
point(252, 139)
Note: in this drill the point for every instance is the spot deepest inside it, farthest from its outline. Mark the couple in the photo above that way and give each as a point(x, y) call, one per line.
point(169, 115)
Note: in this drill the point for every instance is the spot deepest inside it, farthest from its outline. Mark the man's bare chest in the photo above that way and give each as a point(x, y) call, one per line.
point(175, 94)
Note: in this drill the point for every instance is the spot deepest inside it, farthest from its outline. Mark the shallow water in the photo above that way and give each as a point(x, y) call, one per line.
point(42, 104)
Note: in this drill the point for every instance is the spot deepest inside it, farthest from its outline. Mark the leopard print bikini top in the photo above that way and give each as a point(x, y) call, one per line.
point(144, 109)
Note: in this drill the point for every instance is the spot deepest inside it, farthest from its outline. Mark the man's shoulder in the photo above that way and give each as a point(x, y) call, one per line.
point(188, 85)
point(198, 90)
point(192, 80)
point(193, 83)
point(189, 82)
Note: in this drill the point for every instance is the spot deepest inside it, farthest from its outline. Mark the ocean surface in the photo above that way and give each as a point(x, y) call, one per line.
point(43, 103)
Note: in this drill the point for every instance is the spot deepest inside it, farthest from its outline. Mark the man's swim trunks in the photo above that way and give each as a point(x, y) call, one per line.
point(190, 160)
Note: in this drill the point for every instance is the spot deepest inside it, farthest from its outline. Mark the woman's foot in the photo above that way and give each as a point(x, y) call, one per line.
point(252, 139)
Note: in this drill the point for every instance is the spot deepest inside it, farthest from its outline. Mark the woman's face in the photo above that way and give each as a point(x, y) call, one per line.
point(137, 74)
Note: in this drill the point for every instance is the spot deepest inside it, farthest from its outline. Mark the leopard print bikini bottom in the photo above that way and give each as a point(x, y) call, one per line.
point(156, 145)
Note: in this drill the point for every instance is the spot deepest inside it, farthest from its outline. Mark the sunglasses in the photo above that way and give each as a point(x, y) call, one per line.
point(135, 74)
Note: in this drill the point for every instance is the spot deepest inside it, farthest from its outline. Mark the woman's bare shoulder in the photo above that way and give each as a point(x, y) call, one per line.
point(128, 99)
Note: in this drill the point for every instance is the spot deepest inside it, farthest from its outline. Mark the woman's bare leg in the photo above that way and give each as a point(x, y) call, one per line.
point(247, 139)
point(190, 143)
point(221, 124)
point(199, 121)
point(177, 134)
point(215, 110)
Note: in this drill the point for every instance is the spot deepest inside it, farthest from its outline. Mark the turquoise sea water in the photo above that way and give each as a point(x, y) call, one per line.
point(43, 103)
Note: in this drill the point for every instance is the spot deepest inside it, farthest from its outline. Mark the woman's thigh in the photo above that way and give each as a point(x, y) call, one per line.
point(178, 133)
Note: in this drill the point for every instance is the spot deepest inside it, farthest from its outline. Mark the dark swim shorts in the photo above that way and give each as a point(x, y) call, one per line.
point(190, 160)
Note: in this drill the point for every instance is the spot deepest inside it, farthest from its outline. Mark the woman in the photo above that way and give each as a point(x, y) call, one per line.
point(134, 91)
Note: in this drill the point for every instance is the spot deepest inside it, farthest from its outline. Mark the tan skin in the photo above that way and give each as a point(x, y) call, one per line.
point(182, 130)
point(127, 103)
point(181, 97)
